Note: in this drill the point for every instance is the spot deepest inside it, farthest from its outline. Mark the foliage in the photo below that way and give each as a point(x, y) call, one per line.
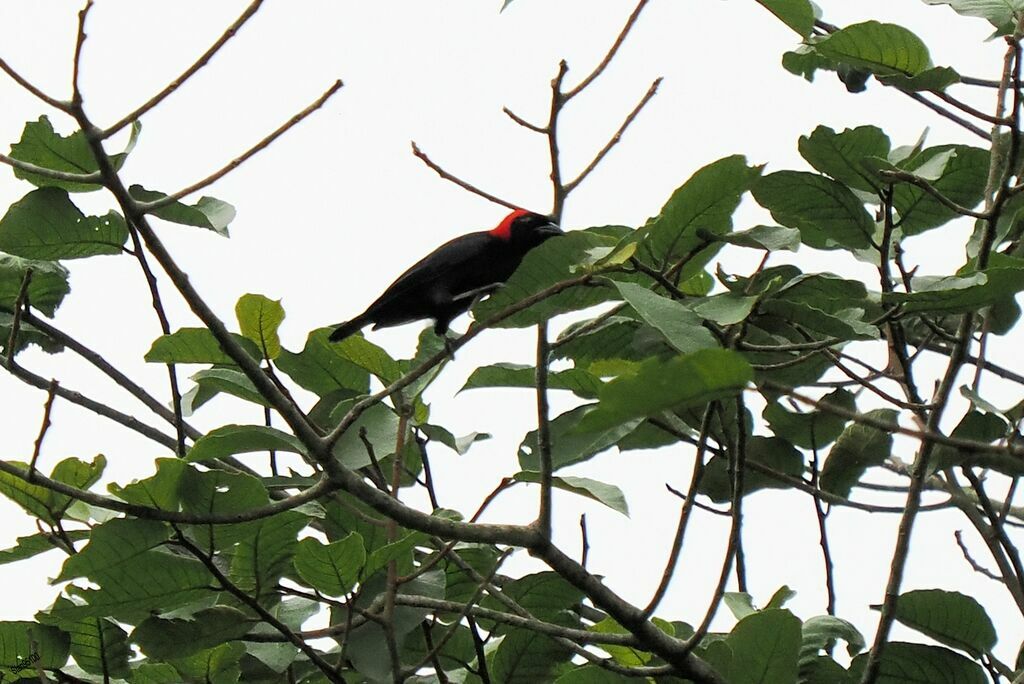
point(211, 568)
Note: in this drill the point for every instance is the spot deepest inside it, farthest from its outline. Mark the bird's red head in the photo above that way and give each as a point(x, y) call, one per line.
point(504, 229)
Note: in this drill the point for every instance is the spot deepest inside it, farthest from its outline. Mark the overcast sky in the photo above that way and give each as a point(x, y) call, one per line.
point(334, 210)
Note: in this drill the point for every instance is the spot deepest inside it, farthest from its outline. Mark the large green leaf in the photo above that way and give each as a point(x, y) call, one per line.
point(45, 224)
point(569, 444)
point(678, 323)
point(657, 385)
point(265, 552)
point(602, 492)
point(964, 171)
point(813, 429)
point(857, 449)
point(704, 202)
point(210, 213)
point(960, 293)
point(772, 452)
point(321, 368)
point(905, 663)
point(949, 617)
point(196, 345)
point(796, 14)
point(576, 380)
point(827, 214)
point(880, 48)
point(99, 646)
point(1000, 13)
point(331, 568)
point(765, 648)
point(24, 644)
point(165, 638)
point(842, 155)
point(259, 318)
point(47, 289)
point(33, 545)
point(41, 146)
point(229, 440)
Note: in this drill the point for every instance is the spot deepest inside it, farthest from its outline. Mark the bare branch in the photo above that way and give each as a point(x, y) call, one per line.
point(573, 92)
point(905, 177)
point(24, 83)
point(975, 565)
point(94, 177)
point(149, 207)
point(228, 34)
point(465, 185)
point(523, 122)
point(571, 185)
point(76, 94)
point(543, 432)
point(19, 306)
point(47, 408)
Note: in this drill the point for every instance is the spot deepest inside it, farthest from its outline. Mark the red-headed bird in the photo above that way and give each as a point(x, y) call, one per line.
point(447, 281)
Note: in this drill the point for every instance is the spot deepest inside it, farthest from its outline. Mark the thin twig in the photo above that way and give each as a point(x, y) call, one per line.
point(584, 541)
point(543, 432)
point(942, 111)
point(150, 207)
point(573, 92)
point(76, 93)
point(24, 83)
point(19, 306)
point(523, 122)
point(975, 565)
point(826, 553)
point(228, 34)
point(37, 448)
point(905, 177)
point(614, 140)
point(465, 185)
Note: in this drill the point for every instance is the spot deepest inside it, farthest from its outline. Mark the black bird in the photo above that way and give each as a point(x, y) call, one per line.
point(447, 281)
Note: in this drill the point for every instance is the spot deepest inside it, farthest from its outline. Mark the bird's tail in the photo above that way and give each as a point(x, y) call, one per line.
point(348, 328)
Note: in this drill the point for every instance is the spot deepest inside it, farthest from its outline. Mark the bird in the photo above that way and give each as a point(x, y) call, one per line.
point(446, 282)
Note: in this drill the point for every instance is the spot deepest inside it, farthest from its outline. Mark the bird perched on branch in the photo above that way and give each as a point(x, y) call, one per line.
point(447, 281)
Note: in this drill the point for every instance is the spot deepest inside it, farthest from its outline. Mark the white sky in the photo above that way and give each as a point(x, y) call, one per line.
point(333, 211)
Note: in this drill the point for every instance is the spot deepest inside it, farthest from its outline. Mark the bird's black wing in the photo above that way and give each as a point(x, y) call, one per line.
point(461, 255)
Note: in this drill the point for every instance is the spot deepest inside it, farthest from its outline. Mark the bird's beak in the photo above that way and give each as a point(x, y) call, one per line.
point(550, 229)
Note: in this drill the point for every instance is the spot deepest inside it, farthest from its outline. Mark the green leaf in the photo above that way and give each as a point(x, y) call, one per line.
point(905, 663)
point(321, 368)
point(623, 655)
point(842, 155)
point(770, 238)
point(229, 440)
point(725, 309)
point(41, 146)
point(963, 176)
point(265, 552)
point(949, 617)
point(880, 48)
point(195, 345)
point(576, 380)
point(36, 500)
point(681, 382)
point(772, 452)
point(369, 356)
point(704, 202)
point(796, 14)
point(47, 289)
point(934, 79)
point(680, 326)
point(955, 294)
point(557, 260)
point(24, 644)
point(569, 444)
point(28, 335)
point(212, 381)
point(45, 224)
point(827, 214)
point(527, 657)
point(805, 62)
point(331, 568)
point(380, 423)
point(159, 490)
point(258, 319)
point(813, 429)
point(120, 552)
point(459, 445)
point(210, 213)
point(601, 492)
point(99, 646)
point(217, 665)
point(765, 648)
point(1000, 13)
point(821, 632)
point(857, 449)
point(33, 545)
point(163, 639)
